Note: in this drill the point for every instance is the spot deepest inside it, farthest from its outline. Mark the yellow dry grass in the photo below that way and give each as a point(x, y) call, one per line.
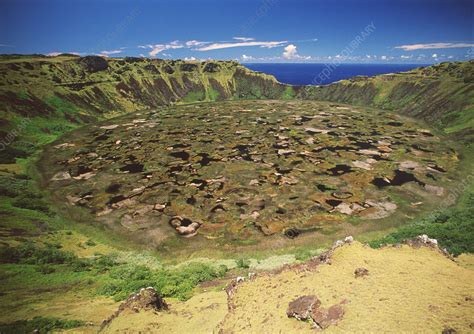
point(407, 290)
point(200, 314)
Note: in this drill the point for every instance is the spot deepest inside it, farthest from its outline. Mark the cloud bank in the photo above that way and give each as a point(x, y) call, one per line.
point(412, 47)
point(217, 46)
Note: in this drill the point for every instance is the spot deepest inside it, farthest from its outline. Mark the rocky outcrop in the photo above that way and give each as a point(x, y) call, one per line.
point(308, 308)
point(147, 299)
point(361, 272)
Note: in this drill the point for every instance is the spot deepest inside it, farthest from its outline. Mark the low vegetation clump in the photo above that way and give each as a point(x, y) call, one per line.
point(243, 263)
point(39, 325)
point(178, 283)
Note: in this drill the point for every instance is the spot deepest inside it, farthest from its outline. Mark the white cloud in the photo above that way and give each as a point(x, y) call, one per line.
point(217, 46)
point(195, 43)
point(411, 47)
point(290, 52)
point(243, 39)
point(406, 57)
point(434, 55)
point(157, 48)
point(247, 58)
point(383, 57)
point(189, 58)
point(110, 52)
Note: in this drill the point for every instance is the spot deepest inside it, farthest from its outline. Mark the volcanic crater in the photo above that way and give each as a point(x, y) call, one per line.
point(248, 170)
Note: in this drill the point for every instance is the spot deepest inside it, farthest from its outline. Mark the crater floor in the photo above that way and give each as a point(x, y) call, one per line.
point(242, 171)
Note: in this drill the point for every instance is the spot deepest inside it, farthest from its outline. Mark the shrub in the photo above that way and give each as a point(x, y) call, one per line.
point(31, 202)
point(41, 324)
point(12, 186)
point(243, 263)
point(104, 262)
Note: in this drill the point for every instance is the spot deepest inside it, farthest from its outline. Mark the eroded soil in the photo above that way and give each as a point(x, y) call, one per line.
point(248, 172)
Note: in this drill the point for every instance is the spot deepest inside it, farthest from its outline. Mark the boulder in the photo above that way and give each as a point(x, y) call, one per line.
point(302, 307)
point(147, 299)
point(361, 272)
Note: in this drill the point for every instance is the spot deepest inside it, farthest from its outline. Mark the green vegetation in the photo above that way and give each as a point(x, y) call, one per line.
point(243, 263)
point(446, 102)
point(452, 227)
point(288, 93)
point(179, 283)
point(61, 106)
point(41, 324)
point(303, 255)
point(194, 96)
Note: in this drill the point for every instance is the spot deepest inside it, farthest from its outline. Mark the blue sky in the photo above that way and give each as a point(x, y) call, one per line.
point(416, 31)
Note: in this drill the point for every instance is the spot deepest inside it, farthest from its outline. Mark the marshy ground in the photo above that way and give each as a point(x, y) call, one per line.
point(248, 173)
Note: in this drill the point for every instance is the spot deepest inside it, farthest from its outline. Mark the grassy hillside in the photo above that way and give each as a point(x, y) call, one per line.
point(42, 97)
point(442, 94)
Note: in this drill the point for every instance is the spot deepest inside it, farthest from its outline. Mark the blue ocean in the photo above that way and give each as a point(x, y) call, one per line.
point(308, 74)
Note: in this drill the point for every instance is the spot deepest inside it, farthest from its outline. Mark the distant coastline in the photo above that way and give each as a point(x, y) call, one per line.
point(305, 73)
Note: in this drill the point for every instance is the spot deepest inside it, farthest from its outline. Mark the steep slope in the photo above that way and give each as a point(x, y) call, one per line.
point(381, 298)
point(36, 85)
point(442, 94)
point(42, 97)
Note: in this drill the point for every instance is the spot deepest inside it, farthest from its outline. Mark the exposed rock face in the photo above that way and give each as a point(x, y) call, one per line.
point(188, 67)
point(147, 299)
point(93, 63)
point(211, 68)
point(423, 240)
